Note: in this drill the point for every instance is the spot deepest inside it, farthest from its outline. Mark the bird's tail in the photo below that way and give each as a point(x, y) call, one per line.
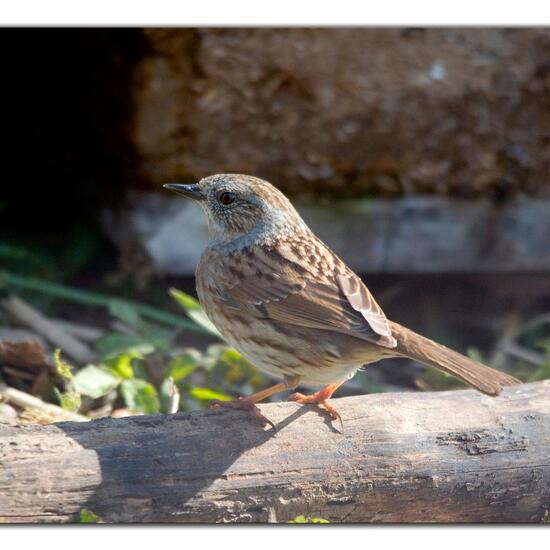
point(424, 350)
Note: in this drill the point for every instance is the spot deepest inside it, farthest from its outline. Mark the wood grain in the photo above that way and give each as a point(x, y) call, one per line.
point(404, 457)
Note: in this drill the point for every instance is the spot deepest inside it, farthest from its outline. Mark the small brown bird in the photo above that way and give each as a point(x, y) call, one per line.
point(281, 297)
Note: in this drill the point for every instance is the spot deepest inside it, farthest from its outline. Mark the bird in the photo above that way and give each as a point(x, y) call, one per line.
point(291, 306)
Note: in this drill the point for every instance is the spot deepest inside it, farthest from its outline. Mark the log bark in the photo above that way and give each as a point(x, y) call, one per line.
point(403, 457)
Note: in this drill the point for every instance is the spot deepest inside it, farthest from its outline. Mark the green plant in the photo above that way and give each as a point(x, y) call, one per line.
point(142, 366)
point(87, 516)
point(304, 519)
point(139, 363)
point(194, 310)
point(12, 281)
point(70, 399)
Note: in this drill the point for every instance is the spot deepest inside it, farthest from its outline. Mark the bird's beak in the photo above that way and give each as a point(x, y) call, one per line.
point(191, 190)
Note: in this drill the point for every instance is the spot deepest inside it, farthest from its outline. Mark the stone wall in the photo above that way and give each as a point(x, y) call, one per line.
point(408, 235)
point(348, 112)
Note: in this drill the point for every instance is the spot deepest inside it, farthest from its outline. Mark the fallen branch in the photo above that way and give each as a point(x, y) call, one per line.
point(10, 280)
point(404, 457)
point(26, 401)
point(30, 317)
point(78, 330)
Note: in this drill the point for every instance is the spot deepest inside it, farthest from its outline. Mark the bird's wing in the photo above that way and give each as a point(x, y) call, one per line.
point(284, 286)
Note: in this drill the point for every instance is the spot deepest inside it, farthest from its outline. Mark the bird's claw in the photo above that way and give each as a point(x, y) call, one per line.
point(318, 399)
point(244, 404)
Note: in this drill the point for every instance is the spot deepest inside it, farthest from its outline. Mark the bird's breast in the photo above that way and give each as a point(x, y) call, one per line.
point(278, 348)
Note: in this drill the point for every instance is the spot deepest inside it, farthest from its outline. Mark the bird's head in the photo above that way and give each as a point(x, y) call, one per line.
point(239, 206)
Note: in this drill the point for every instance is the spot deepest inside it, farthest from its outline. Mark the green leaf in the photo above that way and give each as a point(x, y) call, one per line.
point(299, 519)
point(208, 394)
point(169, 396)
point(48, 289)
point(159, 338)
point(182, 366)
point(87, 516)
point(232, 356)
point(194, 311)
point(114, 344)
point(94, 381)
point(122, 364)
point(185, 300)
point(63, 368)
point(125, 312)
point(140, 396)
point(149, 332)
point(304, 519)
point(319, 520)
point(69, 401)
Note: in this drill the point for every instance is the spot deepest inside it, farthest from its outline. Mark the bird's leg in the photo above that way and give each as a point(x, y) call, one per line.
point(249, 403)
point(320, 398)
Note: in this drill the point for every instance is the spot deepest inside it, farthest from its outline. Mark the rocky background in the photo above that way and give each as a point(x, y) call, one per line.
point(95, 117)
point(322, 113)
point(346, 111)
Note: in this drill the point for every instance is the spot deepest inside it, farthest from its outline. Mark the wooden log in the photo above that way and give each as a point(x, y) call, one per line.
point(32, 318)
point(404, 457)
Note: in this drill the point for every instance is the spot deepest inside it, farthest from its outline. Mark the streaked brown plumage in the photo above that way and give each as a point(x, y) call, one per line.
point(282, 298)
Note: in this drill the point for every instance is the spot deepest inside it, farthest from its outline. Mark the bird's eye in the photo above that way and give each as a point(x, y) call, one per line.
point(226, 197)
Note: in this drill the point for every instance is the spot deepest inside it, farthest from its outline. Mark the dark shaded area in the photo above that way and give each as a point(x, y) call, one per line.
point(64, 111)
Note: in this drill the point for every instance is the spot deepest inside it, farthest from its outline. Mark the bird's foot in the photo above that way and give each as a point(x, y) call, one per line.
point(244, 404)
point(319, 398)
